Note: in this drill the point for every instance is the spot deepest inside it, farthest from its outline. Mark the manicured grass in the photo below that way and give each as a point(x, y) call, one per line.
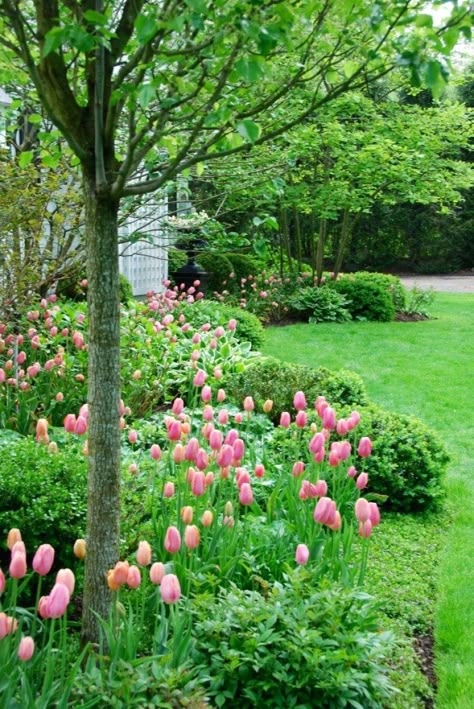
point(425, 369)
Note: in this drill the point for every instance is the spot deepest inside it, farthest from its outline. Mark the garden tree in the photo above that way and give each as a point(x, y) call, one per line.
point(142, 91)
point(38, 232)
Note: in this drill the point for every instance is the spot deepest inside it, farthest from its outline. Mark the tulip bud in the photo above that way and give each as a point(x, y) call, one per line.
point(26, 648)
point(133, 577)
point(302, 554)
point(365, 447)
point(267, 406)
point(43, 559)
point(80, 548)
point(299, 401)
point(362, 481)
point(144, 553)
point(362, 509)
point(207, 518)
point(168, 489)
point(14, 536)
point(157, 572)
point(170, 589)
point(285, 419)
point(172, 542)
point(66, 577)
point(187, 514)
point(191, 536)
point(246, 494)
point(155, 451)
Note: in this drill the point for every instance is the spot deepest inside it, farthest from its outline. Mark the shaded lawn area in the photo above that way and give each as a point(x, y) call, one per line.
point(425, 369)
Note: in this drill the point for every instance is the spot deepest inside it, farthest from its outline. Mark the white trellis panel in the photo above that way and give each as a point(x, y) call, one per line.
point(145, 264)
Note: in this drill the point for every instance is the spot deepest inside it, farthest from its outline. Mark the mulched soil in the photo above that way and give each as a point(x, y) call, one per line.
point(424, 648)
point(404, 317)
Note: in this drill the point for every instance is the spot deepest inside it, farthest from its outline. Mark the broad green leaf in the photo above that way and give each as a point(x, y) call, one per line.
point(25, 158)
point(53, 40)
point(95, 18)
point(424, 20)
point(145, 27)
point(248, 129)
point(51, 161)
point(35, 118)
point(80, 39)
point(248, 69)
point(199, 169)
point(350, 69)
point(146, 94)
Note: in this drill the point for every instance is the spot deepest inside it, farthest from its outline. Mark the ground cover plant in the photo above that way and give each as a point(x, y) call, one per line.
point(212, 517)
point(398, 361)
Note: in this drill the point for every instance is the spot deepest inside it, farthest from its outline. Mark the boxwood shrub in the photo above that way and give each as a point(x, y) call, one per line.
point(269, 378)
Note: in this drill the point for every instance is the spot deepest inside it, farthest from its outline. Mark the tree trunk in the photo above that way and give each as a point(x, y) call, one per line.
point(320, 250)
point(344, 240)
point(298, 240)
point(103, 508)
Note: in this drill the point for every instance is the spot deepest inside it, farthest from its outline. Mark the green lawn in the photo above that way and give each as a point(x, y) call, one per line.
point(425, 369)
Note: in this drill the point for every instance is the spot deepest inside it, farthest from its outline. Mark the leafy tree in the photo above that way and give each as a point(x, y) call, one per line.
point(142, 91)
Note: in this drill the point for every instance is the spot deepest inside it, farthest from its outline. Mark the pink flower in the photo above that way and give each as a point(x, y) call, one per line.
point(232, 324)
point(14, 536)
point(285, 419)
point(329, 418)
point(80, 426)
point(66, 577)
point(57, 601)
point(316, 444)
point(351, 472)
point(207, 518)
point(362, 509)
point(239, 448)
point(334, 458)
point(259, 470)
point(144, 553)
point(17, 568)
point(172, 542)
point(231, 436)
point(199, 378)
point(342, 427)
point(249, 404)
point(168, 489)
point(202, 459)
point(132, 436)
point(215, 440)
point(344, 450)
point(321, 405)
point(2, 582)
point(42, 430)
point(192, 536)
point(26, 648)
point(301, 419)
point(238, 418)
point(362, 481)
point(298, 469)
point(208, 413)
point(219, 331)
point(206, 393)
point(246, 494)
point(155, 451)
point(221, 395)
point(133, 577)
point(321, 488)
point(120, 573)
point(178, 406)
point(43, 559)
point(174, 430)
point(178, 453)
point(365, 447)
point(170, 589)
point(365, 528)
point(302, 554)
point(198, 483)
point(157, 572)
point(374, 514)
point(225, 456)
point(325, 511)
point(70, 423)
point(299, 401)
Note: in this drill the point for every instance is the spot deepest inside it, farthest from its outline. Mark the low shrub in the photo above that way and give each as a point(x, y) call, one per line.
point(320, 305)
point(418, 302)
point(249, 327)
point(218, 269)
point(243, 265)
point(44, 494)
point(176, 259)
point(367, 301)
point(408, 461)
point(270, 378)
point(319, 647)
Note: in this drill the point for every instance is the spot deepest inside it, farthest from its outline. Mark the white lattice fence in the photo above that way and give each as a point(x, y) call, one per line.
point(145, 264)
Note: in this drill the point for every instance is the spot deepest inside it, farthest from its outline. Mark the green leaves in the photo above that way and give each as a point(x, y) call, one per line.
point(249, 69)
point(248, 129)
point(145, 27)
point(25, 158)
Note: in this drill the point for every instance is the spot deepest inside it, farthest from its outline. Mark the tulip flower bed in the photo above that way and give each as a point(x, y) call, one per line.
point(242, 572)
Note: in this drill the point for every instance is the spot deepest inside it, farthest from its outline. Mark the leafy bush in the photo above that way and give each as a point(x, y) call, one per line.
point(176, 259)
point(270, 378)
point(408, 460)
point(368, 299)
point(126, 291)
point(320, 305)
point(318, 647)
point(249, 327)
point(243, 265)
point(217, 266)
point(43, 494)
point(418, 302)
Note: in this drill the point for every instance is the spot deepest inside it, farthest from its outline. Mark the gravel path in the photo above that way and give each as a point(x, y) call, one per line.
point(454, 283)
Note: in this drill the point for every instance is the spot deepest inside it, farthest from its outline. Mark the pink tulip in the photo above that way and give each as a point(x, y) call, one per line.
point(259, 470)
point(206, 393)
point(198, 483)
point(187, 514)
point(325, 511)
point(249, 404)
point(42, 430)
point(365, 529)
point(285, 419)
point(26, 648)
point(172, 542)
point(344, 450)
point(174, 430)
point(134, 578)
point(57, 601)
point(316, 444)
point(238, 418)
point(336, 523)
point(362, 509)
point(43, 559)
point(155, 451)
point(209, 478)
point(207, 518)
point(301, 419)
point(225, 456)
point(238, 448)
point(319, 456)
point(157, 572)
point(178, 406)
point(221, 396)
point(17, 568)
point(321, 405)
point(178, 453)
point(351, 472)
point(120, 573)
point(208, 413)
point(14, 536)
point(66, 577)
point(298, 469)
point(199, 378)
point(168, 489)
point(362, 481)
point(18, 548)
point(70, 423)
point(299, 401)
point(170, 589)
point(329, 419)
point(132, 436)
point(231, 437)
point(232, 324)
point(342, 427)
point(246, 494)
point(302, 554)
point(2, 582)
point(144, 553)
point(365, 447)
point(215, 440)
point(333, 458)
point(192, 536)
point(321, 488)
point(8, 625)
point(241, 476)
point(80, 426)
point(374, 514)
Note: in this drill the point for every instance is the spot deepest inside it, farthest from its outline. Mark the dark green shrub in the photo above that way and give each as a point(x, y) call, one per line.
point(408, 460)
point(270, 378)
point(249, 327)
point(44, 495)
point(243, 265)
point(126, 291)
point(372, 296)
point(218, 267)
point(320, 305)
point(176, 259)
point(294, 647)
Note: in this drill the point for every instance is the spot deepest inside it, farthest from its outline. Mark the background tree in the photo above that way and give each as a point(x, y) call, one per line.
point(144, 90)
